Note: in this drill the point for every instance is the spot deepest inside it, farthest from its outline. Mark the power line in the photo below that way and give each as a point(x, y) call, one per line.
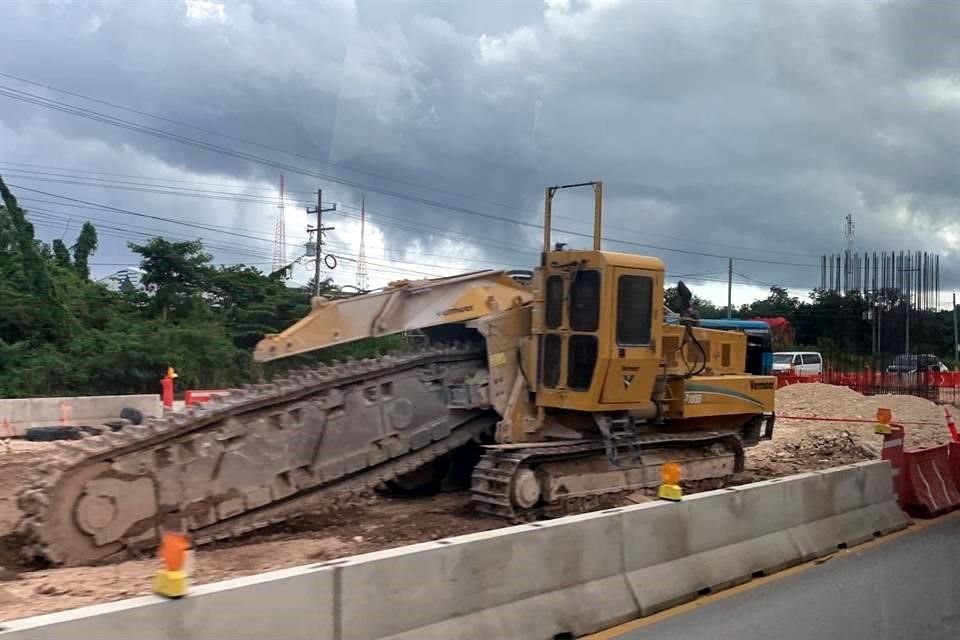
point(242, 197)
point(338, 246)
point(112, 120)
point(134, 232)
point(376, 216)
point(185, 223)
point(250, 142)
point(245, 251)
point(100, 208)
point(378, 267)
point(310, 158)
point(381, 218)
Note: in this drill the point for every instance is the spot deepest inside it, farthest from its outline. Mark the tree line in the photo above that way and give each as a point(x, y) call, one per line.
point(848, 324)
point(62, 333)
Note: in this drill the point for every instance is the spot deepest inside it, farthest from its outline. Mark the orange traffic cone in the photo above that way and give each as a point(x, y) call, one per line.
point(951, 426)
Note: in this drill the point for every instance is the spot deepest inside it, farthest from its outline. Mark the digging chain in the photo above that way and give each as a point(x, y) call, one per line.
point(36, 500)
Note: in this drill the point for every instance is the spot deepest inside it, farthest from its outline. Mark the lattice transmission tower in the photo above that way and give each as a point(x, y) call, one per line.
point(280, 235)
point(362, 278)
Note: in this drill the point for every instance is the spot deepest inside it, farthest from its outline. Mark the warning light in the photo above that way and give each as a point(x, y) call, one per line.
point(670, 489)
point(171, 580)
point(883, 421)
point(670, 473)
point(173, 549)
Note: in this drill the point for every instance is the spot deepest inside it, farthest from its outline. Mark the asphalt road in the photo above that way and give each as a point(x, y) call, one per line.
point(907, 588)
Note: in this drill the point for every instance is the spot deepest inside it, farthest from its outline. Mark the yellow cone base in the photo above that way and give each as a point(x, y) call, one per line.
point(670, 492)
point(882, 429)
point(170, 584)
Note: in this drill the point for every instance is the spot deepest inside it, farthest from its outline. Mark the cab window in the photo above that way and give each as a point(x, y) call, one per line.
point(585, 301)
point(634, 310)
point(554, 295)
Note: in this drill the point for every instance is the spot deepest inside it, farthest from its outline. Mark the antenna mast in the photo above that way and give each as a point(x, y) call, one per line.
point(280, 235)
point(362, 280)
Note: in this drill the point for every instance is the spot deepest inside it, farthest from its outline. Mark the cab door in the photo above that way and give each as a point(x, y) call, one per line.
point(634, 358)
point(569, 346)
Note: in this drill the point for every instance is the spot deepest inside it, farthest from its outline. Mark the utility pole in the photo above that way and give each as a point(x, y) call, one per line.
point(320, 230)
point(956, 345)
point(729, 287)
point(907, 337)
point(907, 270)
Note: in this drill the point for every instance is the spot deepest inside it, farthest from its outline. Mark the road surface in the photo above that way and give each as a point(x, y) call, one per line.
point(907, 587)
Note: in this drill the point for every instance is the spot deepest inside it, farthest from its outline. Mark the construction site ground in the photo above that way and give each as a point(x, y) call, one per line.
point(385, 522)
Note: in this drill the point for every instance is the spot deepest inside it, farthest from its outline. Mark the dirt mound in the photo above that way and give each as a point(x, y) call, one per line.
point(804, 445)
point(17, 459)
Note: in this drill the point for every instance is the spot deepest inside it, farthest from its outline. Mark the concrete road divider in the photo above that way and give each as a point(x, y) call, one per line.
point(290, 604)
point(18, 414)
point(715, 540)
point(561, 578)
point(531, 581)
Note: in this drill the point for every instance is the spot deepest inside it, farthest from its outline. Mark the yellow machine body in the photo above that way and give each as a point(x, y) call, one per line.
point(594, 389)
point(601, 344)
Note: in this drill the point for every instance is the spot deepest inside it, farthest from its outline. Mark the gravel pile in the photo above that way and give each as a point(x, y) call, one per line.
point(805, 445)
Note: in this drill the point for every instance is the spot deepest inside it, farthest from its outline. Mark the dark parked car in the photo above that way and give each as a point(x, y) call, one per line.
point(912, 363)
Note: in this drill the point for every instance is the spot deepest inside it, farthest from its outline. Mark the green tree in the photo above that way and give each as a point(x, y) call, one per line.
point(778, 304)
point(174, 272)
point(85, 247)
point(61, 254)
point(252, 304)
point(29, 302)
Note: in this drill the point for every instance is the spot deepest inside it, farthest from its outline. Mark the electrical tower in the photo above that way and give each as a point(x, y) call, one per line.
point(362, 279)
point(280, 235)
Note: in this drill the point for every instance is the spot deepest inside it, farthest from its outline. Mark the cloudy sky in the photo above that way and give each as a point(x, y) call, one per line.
point(741, 129)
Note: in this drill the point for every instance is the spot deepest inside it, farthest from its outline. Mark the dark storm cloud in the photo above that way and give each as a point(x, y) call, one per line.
point(744, 129)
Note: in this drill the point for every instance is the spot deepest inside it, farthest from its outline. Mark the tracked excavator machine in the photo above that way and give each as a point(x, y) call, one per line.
point(569, 378)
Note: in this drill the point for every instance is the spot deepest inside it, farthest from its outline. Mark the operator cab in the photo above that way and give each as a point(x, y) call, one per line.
point(599, 329)
point(597, 321)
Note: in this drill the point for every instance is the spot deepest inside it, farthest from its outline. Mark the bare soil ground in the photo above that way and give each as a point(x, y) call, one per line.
point(381, 523)
point(806, 445)
point(17, 459)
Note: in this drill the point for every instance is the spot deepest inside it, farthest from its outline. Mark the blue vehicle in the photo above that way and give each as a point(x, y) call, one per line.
point(759, 341)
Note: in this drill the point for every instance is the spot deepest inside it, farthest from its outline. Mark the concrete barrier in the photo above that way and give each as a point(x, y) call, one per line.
point(714, 540)
point(561, 578)
point(17, 414)
point(495, 584)
point(292, 604)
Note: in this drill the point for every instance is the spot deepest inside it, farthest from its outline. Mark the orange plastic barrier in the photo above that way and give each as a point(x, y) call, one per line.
point(952, 428)
point(929, 485)
point(788, 379)
point(192, 397)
